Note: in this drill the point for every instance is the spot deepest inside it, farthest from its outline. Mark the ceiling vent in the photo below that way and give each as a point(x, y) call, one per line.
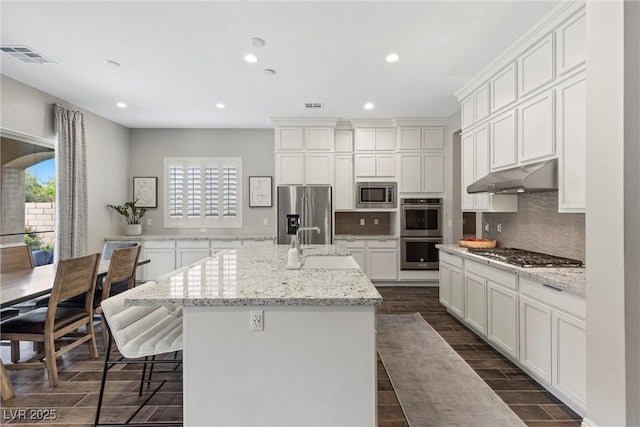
point(26, 54)
point(313, 105)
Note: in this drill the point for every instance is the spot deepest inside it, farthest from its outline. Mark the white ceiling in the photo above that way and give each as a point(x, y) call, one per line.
point(178, 59)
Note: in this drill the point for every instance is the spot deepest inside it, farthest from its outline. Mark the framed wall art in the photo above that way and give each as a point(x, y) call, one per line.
point(260, 191)
point(145, 191)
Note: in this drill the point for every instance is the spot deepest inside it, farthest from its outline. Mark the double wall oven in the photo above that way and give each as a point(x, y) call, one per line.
point(421, 231)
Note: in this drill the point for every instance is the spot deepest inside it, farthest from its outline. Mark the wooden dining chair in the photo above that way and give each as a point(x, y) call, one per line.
point(53, 325)
point(13, 258)
point(120, 277)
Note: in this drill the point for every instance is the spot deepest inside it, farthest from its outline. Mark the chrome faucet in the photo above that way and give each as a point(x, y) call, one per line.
point(317, 229)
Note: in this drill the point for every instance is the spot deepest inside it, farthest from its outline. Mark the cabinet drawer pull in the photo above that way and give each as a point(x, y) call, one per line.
point(551, 287)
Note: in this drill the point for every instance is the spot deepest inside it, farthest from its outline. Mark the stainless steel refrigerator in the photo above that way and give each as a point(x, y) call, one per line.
point(305, 206)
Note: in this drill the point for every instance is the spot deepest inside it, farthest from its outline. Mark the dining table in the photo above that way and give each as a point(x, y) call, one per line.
point(23, 285)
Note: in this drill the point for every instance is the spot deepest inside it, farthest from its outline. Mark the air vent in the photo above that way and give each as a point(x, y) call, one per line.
point(26, 54)
point(313, 105)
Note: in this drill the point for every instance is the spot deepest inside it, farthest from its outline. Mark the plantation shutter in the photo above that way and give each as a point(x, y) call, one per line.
point(203, 192)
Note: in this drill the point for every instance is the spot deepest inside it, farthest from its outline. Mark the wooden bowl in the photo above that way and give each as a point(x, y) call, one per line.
point(484, 243)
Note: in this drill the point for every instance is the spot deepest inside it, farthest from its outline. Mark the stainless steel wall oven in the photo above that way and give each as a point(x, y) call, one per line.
point(421, 231)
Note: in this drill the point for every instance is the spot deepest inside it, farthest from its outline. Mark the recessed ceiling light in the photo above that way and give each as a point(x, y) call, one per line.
point(392, 57)
point(251, 58)
point(368, 106)
point(269, 72)
point(112, 64)
point(221, 106)
point(121, 105)
point(257, 42)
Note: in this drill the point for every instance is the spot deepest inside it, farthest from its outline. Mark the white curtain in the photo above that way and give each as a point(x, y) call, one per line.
point(71, 192)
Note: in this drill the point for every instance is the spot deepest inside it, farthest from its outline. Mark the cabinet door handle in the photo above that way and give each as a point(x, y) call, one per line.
point(551, 287)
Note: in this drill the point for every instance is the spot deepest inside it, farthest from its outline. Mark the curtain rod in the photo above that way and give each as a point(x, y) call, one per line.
point(57, 104)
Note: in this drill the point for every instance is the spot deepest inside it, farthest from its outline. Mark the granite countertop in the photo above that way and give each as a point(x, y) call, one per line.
point(366, 237)
point(257, 275)
point(572, 280)
point(146, 237)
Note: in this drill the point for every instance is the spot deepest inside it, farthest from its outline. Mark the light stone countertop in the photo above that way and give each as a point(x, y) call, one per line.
point(147, 237)
point(572, 280)
point(257, 275)
point(366, 237)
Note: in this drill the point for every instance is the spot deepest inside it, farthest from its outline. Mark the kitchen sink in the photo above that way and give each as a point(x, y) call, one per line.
point(330, 262)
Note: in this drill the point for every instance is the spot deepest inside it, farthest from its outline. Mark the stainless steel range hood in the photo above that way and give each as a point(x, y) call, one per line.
point(536, 177)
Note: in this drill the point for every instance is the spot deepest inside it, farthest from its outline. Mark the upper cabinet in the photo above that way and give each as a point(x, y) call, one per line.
point(530, 99)
point(536, 66)
point(344, 141)
point(571, 46)
point(375, 139)
point(319, 138)
point(420, 138)
point(290, 138)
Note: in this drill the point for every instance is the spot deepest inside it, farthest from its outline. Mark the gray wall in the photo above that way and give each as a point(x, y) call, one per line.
point(29, 111)
point(537, 226)
point(149, 147)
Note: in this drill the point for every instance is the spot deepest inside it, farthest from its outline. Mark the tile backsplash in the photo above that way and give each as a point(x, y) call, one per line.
point(537, 226)
point(349, 223)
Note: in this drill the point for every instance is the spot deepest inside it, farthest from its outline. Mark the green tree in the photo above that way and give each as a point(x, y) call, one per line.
point(37, 192)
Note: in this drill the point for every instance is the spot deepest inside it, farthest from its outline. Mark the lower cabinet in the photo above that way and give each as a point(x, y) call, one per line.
point(162, 256)
point(189, 252)
point(502, 316)
point(542, 329)
point(377, 258)
point(475, 302)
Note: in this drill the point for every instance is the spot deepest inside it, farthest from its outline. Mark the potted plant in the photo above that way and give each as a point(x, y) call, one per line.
point(133, 214)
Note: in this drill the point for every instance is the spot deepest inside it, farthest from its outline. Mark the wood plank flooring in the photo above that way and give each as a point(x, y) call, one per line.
point(75, 398)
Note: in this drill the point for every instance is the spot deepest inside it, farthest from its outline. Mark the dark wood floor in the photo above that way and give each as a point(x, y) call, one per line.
point(75, 399)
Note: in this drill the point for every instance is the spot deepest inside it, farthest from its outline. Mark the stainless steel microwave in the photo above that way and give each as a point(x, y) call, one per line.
point(376, 195)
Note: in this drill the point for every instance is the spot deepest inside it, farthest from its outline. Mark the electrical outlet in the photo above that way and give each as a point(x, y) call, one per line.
point(256, 321)
point(148, 221)
point(203, 230)
point(361, 221)
point(499, 228)
point(376, 221)
point(486, 227)
point(265, 221)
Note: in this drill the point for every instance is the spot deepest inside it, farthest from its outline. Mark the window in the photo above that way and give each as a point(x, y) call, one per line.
point(203, 192)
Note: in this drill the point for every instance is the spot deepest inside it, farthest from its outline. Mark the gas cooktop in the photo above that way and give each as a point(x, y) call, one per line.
point(526, 259)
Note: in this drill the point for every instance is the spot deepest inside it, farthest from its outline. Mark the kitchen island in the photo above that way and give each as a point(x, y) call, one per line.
point(312, 360)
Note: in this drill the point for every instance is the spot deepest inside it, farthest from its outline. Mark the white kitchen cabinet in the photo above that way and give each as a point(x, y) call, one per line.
point(222, 244)
point(571, 138)
point(535, 337)
point(502, 318)
point(410, 172)
point(343, 191)
point(571, 43)
point(536, 66)
point(475, 302)
point(504, 143)
point(481, 103)
point(569, 364)
point(450, 275)
point(375, 139)
point(475, 165)
point(162, 257)
point(290, 168)
point(319, 168)
point(289, 138)
point(466, 111)
point(372, 165)
point(536, 124)
point(421, 138)
point(357, 249)
point(344, 141)
point(504, 88)
point(189, 251)
point(320, 138)
point(433, 172)
point(382, 259)
point(456, 295)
